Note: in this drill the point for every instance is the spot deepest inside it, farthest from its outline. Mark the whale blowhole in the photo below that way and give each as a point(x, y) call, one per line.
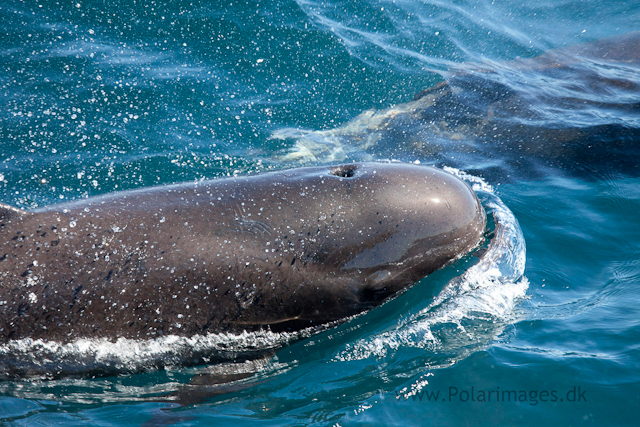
point(345, 171)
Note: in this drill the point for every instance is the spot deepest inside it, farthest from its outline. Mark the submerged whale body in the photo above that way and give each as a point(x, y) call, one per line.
point(574, 110)
point(280, 252)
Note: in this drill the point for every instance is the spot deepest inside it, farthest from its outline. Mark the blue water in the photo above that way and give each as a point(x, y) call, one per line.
point(101, 96)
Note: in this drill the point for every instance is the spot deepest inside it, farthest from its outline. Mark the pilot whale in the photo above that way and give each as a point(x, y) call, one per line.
point(570, 111)
point(281, 252)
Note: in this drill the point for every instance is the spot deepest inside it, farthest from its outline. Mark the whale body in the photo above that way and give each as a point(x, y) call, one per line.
point(571, 111)
point(282, 252)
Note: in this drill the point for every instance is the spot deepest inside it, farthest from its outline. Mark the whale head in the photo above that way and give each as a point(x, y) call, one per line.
point(355, 235)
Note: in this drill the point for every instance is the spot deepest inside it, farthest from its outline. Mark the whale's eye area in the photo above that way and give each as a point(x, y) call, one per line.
point(345, 171)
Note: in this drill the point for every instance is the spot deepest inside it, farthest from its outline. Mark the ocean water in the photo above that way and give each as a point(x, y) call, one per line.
point(103, 96)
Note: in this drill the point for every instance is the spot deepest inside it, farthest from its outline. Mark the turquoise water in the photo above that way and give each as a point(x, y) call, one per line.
point(105, 96)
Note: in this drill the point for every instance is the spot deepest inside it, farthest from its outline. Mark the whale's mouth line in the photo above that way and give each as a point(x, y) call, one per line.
point(272, 322)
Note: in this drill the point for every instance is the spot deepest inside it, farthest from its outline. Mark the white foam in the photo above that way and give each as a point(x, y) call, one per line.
point(45, 358)
point(485, 296)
